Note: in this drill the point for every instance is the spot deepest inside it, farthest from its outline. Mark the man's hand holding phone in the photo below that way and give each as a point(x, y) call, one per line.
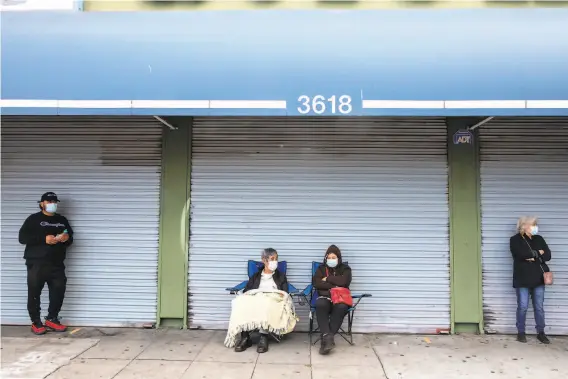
point(62, 237)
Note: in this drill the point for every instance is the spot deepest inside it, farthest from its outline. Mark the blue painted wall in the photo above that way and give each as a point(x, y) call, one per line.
point(474, 54)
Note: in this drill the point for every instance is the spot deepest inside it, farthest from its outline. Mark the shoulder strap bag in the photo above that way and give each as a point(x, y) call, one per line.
point(340, 295)
point(548, 276)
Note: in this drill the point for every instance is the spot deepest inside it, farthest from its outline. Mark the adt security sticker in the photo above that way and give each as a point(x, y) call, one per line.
point(462, 137)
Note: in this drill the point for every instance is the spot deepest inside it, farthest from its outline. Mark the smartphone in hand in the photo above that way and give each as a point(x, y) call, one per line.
point(58, 237)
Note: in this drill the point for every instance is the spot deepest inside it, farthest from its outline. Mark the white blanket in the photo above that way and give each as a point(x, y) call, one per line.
point(272, 311)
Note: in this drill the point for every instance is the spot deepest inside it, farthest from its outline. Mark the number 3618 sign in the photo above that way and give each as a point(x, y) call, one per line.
point(319, 105)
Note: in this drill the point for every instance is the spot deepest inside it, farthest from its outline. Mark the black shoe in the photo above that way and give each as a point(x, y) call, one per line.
point(522, 337)
point(326, 344)
point(262, 344)
point(323, 349)
point(543, 338)
point(243, 343)
point(332, 341)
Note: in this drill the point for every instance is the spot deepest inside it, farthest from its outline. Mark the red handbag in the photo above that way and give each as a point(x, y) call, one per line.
point(340, 295)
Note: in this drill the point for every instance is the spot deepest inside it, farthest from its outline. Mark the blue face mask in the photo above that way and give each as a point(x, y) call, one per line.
point(534, 230)
point(332, 263)
point(51, 207)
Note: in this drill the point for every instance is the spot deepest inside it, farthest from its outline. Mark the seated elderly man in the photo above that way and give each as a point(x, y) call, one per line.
point(264, 306)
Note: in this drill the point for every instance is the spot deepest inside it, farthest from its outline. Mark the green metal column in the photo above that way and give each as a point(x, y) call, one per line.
point(465, 227)
point(174, 224)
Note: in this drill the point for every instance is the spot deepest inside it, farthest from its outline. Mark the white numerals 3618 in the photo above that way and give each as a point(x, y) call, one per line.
point(318, 104)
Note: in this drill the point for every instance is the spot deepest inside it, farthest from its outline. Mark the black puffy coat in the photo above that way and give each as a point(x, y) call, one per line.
point(339, 276)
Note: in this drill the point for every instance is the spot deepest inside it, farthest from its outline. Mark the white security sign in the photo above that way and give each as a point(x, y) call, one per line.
point(37, 5)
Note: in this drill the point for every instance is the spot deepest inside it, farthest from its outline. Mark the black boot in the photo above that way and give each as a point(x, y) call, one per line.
point(522, 337)
point(262, 344)
point(243, 343)
point(543, 338)
point(326, 344)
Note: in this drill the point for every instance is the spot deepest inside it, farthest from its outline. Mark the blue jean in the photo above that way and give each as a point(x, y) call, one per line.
point(537, 295)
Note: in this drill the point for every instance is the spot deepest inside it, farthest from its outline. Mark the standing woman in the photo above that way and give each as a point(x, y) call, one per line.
point(530, 254)
point(331, 273)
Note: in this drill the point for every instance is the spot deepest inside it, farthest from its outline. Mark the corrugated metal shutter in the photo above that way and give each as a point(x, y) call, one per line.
point(524, 171)
point(376, 187)
point(107, 174)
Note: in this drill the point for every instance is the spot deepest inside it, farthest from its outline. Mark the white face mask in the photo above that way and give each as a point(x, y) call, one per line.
point(534, 230)
point(272, 265)
point(51, 207)
point(332, 263)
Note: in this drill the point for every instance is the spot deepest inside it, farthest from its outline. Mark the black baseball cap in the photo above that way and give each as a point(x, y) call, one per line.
point(49, 196)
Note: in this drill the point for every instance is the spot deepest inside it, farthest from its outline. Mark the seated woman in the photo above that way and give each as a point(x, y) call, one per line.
point(267, 278)
point(530, 254)
point(332, 273)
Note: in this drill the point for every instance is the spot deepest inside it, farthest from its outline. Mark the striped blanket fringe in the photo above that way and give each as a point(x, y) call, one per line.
point(272, 311)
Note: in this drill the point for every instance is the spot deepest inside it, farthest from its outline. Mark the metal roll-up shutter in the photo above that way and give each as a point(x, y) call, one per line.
point(524, 171)
point(106, 172)
point(376, 187)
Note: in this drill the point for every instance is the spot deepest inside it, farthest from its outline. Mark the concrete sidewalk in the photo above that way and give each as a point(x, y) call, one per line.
point(90, 353)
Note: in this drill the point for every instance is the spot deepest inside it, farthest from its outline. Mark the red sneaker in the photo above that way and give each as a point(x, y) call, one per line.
point(55, 325)
point(38, 329)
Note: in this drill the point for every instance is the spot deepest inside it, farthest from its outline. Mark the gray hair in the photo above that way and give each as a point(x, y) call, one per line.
point(524, 221)
point(267, 253)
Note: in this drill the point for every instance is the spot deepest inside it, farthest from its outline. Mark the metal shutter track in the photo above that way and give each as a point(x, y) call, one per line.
point(376, 187)
point(106, 171)
point(524, 171)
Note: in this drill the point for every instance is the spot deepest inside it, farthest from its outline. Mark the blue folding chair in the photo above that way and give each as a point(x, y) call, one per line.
point(310, 295)
point(252, 268)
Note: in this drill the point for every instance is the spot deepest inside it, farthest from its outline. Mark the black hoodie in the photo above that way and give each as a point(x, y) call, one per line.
point(33, 232)
point(339, 276)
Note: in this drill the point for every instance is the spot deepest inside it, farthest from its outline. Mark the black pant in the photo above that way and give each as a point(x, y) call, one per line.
point(330, 316)
point(40, 273)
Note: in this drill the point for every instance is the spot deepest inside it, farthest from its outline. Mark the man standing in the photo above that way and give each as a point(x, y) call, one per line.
point(46, 235)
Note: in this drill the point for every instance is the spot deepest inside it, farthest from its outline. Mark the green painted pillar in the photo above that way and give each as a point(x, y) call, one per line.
point(174, 224)
point(465, 226)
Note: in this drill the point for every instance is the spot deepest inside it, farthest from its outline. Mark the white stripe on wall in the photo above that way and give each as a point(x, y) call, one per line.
point(247, 104)
point(403, 104)
point(280, 104)
point(102, 104)
point(145, 104)
point(548, 104)
point(9, 103)
point(171, 104)
point(485, 104)
point(465, 104)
